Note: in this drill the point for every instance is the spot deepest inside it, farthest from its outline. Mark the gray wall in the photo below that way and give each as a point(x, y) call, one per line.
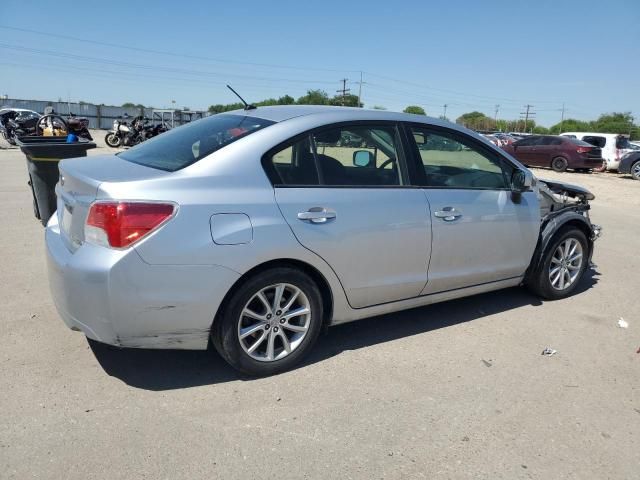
point(100, 116)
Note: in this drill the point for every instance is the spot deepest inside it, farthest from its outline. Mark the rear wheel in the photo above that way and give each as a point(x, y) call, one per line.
point(559, 164)
point(635, 170)
point(563, 265)
point(270, 323)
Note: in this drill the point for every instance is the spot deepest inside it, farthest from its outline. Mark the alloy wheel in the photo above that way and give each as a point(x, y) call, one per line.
point(635, 171)
point(274, 322)
point(566, 263)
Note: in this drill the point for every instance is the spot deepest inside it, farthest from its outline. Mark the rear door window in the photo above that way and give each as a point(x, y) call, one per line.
point(185, 145)
point(345, 156)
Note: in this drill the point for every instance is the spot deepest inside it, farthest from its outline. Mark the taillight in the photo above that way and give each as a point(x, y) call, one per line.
point(121, 224)
point(584, 149)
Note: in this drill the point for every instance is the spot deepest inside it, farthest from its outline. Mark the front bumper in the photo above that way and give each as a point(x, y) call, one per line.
point(114, 297)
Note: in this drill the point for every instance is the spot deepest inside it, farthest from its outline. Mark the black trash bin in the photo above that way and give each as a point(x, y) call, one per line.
point(43, 155)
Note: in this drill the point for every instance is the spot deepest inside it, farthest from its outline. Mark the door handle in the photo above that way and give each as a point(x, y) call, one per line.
point(448, 214)
point(317, 215)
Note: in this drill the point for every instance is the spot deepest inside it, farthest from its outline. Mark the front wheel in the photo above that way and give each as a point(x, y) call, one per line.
point(112, 140)
point(635, 170)
point(270, 323)
point(563, 264)
point(559, 164)
point(9, 138)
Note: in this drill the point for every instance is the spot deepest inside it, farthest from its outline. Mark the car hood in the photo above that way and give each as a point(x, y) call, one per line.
point(573, 191)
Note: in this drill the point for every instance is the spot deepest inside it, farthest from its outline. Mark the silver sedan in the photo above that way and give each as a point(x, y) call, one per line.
point(255, 228)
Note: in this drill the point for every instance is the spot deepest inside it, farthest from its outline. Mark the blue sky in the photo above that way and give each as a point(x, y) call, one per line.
point(470, 55)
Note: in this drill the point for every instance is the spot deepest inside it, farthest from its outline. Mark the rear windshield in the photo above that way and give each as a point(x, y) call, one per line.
point(580, 143)
point(185, 145)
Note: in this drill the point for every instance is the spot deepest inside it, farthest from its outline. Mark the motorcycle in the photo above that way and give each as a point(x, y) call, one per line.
point(123, 134)
point(53, 125)
point(12, 126)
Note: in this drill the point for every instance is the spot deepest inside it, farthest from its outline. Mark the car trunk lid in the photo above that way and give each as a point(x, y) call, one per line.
point(80, 180)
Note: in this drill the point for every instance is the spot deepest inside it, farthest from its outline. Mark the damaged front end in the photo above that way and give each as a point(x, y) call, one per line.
point(557, 199)
point(563, 204)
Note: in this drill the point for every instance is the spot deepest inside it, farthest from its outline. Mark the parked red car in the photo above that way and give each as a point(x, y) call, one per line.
point(559, 153)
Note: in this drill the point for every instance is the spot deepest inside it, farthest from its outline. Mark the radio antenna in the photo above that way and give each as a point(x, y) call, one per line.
point(247, 106)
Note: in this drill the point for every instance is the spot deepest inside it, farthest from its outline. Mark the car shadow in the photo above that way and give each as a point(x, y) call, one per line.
point(159, 370)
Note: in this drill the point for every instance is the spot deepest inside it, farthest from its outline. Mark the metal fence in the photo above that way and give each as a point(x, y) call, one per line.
point(100, 116)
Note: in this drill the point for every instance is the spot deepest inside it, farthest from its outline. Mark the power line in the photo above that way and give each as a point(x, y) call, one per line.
point(172, 54)
point(268, 65)
point(102, 61)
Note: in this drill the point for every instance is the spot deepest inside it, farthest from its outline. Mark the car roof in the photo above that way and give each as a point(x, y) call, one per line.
point(281, 113)
point(596, 134)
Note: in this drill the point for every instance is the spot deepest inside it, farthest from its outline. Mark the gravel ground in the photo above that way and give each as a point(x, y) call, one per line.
point(456, 390)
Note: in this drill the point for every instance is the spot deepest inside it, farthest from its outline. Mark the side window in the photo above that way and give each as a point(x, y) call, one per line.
point(358, 156)
point(293, 165)
point(452, 162)
point(525, 142)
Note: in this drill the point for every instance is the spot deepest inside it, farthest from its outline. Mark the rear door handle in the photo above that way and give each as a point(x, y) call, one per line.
point(448, 214)
point(317, 215)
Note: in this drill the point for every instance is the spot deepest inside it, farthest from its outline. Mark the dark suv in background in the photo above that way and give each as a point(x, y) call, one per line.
point(559, 153)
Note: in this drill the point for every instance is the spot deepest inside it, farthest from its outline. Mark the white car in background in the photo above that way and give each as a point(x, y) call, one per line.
point(614, 146)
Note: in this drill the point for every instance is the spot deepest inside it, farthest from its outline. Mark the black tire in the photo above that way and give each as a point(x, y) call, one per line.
point(112, 140)
point(559, 164)
point(225, 337)
point(539, 281)
point(634, 170)
point(9, 138)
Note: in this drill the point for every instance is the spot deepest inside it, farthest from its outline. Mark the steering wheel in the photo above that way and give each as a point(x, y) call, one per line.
point(51, 119)
point(387, 162)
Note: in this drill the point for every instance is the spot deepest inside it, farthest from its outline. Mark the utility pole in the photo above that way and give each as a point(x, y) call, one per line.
point(527, 113)
point(495, 116)
point(360, 83)
point(561, 119)
point(344, 90)
point(444, 114)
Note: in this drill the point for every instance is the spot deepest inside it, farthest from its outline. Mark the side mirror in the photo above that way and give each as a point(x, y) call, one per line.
point(363, 158)
point(521, 181)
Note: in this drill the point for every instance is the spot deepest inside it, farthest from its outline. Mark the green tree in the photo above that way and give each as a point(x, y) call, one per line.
point(219, 108)
point(415, 109)
point(570, 125)
point(615, 122)
point(349, 100)
point(128, 105)
point(286, 100)
point(540, 130)
point(476, 121)
point(267, 102)
point(314, 97)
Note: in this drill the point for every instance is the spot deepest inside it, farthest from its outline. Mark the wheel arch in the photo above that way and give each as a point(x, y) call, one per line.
point(550, 230)
point(323, 285)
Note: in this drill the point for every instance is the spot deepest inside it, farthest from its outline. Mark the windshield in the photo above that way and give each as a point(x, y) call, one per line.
point(183, 146)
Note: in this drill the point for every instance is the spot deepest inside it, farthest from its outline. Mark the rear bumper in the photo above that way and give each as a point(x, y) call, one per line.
point(116, 298)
